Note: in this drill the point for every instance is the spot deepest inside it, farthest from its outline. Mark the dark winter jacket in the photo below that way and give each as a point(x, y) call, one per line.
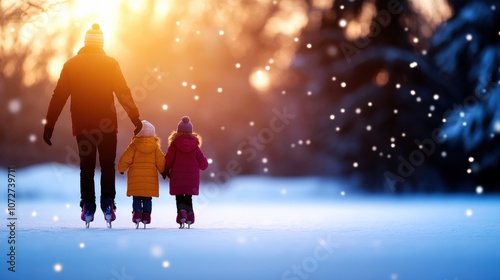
point(90, 78)
point(185, 159)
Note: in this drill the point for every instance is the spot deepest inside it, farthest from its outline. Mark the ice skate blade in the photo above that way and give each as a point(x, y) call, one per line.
point(181, 226)
point(108, 220)
point(88, 219)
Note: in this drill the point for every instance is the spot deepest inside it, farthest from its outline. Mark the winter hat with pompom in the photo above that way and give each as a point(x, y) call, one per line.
point(94, 36)
point(185, 125)
point(147, 129)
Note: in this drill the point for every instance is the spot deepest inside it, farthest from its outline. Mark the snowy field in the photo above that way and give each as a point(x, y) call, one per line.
point(257, 228)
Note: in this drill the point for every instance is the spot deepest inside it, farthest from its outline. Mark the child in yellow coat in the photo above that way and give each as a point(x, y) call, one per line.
point(144, 159)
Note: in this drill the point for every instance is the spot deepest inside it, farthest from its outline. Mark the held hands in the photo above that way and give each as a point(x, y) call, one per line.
point(138, 125)
point(165, 173)
point(47, 134)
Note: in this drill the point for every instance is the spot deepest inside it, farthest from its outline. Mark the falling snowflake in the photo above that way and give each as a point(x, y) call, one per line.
point(58, 267)
point(342, 23)
point(468, 213)
point(165, 264)
point(479, 190)
point(413, 64)
point(468, 37)
point(14, 106)
point(156, 251)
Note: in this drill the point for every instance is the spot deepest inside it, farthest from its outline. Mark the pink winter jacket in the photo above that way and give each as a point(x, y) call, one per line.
point(185, 159)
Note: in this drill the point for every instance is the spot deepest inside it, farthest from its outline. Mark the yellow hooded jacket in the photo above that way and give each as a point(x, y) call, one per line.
point(144, 159)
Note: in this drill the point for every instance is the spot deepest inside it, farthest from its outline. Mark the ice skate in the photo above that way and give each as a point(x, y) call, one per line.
point(181, 218)
point(190, 219)
point(146, 219)
point(88, 209)
point(136, 218)
point(108, 208)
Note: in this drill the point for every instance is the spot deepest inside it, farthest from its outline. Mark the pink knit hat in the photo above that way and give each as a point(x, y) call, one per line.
point(185, 125)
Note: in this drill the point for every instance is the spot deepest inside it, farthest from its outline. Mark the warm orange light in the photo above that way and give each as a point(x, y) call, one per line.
point(381, 78)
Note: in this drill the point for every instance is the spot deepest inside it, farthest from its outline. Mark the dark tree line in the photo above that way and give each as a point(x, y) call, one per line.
point(388, 110)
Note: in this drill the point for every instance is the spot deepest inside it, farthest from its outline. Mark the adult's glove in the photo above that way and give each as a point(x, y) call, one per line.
point(47, 134)
point(138, 125)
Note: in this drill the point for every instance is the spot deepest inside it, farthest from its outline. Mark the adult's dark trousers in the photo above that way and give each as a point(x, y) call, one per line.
point(89, 145)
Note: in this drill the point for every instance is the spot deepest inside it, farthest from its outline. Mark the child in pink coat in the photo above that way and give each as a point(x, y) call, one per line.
point(183, 162)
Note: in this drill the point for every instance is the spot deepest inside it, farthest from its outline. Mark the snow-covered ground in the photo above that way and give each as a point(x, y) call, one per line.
point(255, 228)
